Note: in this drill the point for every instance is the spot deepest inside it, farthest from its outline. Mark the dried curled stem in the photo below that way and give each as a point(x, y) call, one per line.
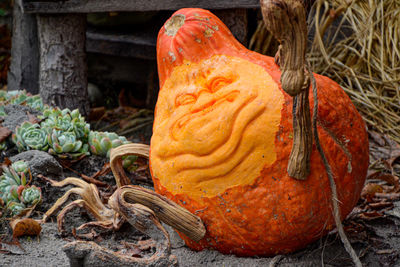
point(116, 155)
point(83, 253)
point(167, 211)
point(286, 20)
point(125, 198)
point(90, 201)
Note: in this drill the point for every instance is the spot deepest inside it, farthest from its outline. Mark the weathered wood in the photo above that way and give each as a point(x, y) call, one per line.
point(24, 68)
point(63, 69)
point(136, 45)
point(88, 6)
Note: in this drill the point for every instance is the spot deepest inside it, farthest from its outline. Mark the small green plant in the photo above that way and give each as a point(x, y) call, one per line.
point(22, 98)
point(66, 121)
point(61, 132)
point(66, 143)
point(29, 136)
point(101, 142)
point(15, 193)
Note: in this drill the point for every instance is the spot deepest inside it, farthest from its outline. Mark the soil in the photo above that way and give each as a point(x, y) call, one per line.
point(376, 240)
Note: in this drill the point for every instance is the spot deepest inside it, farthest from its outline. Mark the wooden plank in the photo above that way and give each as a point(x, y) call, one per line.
point(134, 45)
point(24, 68)
point(89, 6)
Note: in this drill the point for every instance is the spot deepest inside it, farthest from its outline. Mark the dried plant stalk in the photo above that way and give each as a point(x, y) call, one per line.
point(166, 210)
point(362, 54)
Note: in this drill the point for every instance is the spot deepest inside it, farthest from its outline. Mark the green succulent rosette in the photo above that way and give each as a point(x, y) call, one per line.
point(66, 143)
point(66, 121)
point(20, 167)
point(11, 182)
point(24, 98)
point(14, 191)
point(35, 102)
point(15, 208)
point(31, 195)
point(100, 143)
point(30, 136)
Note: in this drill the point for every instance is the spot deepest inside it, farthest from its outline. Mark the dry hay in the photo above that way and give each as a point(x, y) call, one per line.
point(357, 44)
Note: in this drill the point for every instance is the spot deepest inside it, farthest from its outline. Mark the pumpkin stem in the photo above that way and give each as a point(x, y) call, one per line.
point(286, 20)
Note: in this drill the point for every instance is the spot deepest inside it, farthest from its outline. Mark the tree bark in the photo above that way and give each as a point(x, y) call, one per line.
point(63, 67)
point(24, 68)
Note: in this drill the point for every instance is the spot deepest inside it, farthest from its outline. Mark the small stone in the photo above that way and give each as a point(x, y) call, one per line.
point(40, 163)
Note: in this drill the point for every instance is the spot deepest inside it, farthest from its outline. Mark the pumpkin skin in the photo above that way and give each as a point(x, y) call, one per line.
point(222, 137)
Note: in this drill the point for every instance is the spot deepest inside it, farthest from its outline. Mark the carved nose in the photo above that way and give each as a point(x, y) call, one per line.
point(204, 100)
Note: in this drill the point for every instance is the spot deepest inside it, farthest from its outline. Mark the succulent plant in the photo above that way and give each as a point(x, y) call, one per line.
point(3, 145)
point(3, 96)
point(101, 142)
point(11, 180)
point(2, 111)
point(18, 97)
point(66, 143)
point(20, 167)
point(128, 163)
point(31, 195)
point(35, 102)
point(30, 136)
point(15, 194)
point(15, 207)
point(66, 121)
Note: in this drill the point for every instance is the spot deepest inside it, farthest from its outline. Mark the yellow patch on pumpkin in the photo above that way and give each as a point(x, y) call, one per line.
point(215, 126)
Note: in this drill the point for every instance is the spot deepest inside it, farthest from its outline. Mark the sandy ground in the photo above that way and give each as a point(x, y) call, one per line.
point(382, 248)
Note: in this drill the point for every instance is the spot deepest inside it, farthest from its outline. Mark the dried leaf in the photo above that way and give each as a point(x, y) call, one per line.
point(97, 113)
point(389, 178)
point(369, 191)
point(83, 176)
point(32, 118)
point(370, 215)
point(105, 170)
point(25, 226)
point(4, 133)
point(380, 205)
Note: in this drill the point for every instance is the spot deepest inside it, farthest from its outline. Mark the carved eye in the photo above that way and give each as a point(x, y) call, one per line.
point(185, 99)
point(219, 82)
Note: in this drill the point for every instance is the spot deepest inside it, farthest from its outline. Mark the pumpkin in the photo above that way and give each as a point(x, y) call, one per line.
point(222, 136)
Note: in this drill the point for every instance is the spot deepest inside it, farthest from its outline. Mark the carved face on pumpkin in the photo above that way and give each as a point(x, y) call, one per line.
point(207, 137)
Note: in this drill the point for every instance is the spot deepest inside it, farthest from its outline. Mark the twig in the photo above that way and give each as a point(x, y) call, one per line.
point(275, 260)
point(335, 202)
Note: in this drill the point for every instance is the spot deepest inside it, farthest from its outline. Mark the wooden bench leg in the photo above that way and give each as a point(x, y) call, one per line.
point(24, 68)
point(63, 66)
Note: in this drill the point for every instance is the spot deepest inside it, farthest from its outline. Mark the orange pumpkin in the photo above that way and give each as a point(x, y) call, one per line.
point(223, 134)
